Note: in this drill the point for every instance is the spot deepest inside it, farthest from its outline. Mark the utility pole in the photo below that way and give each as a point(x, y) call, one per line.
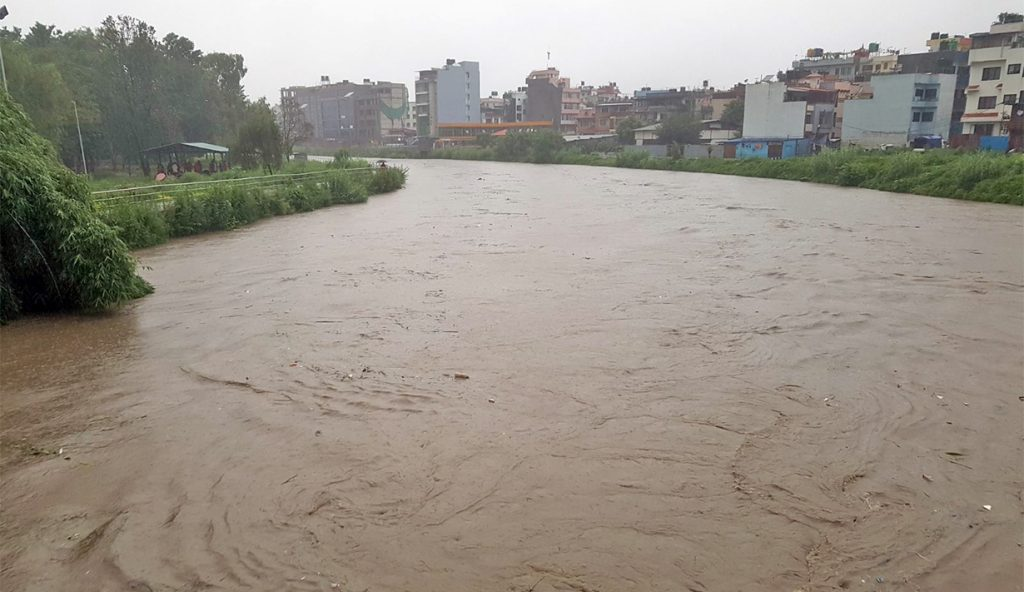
point(81, 146)
point(3, 71)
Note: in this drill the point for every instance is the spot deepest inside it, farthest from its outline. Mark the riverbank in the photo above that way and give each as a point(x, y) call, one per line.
point(184, 211)
point(975, 176)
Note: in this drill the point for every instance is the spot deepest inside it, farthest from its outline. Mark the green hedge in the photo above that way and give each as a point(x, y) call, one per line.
point(224, 208)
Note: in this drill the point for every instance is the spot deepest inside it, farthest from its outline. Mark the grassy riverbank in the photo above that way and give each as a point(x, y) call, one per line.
point(941, 173)
point(224, 207)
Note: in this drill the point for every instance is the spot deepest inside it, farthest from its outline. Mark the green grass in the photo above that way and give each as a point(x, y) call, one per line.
point(225, 207)
point(976, 176)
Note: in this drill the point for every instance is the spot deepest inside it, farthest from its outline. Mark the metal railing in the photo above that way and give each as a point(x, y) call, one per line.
point(163, 192)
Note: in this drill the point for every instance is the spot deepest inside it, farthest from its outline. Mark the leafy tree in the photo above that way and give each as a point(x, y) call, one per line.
point(626, 128)
point(1009, 17)
point(732, 115)
point(41, 88)
point(259, 139)
point(680, 129)
point(131, 56)
point(294, 126)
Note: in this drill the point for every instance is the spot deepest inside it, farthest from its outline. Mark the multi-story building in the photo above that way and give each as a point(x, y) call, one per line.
point(492, 109)
point(607, 116)
point(878, 63)
point(996, 84)
point(349, 113)
point(843, 65)
point(544, 97)
point(945, 42)
point(586, 121)
point(713, 103)
point(654, 105)
point(571, 103)
point(902, 108)
point(449, 94)
point(592, 95)
point(541, 87)
point(944, 61)
point(779, 111)
point(515, 104)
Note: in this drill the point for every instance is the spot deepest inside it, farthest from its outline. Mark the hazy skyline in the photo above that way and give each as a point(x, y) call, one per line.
point(652, 44)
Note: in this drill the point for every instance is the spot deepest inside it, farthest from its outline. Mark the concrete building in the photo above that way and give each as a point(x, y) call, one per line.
point(349, 113)
point(945, 42)
point(449, 94)
point(544, 97)
point(654, 105)
point(996, 61)
point(492, 109)
point(879, 63)
point(777, 110)
point(607, 116)
point(948, 61)
point(903, 107)
point(843, 65)
point(515, 104)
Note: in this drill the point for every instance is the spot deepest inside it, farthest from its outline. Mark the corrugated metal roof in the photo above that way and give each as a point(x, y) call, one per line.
point(189, 147)
point(205, 146)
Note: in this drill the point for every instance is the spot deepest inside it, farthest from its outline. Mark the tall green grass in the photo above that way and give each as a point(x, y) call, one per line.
point(145, 224)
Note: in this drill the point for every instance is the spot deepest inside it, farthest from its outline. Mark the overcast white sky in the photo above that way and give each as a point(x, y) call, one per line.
point(658, 43)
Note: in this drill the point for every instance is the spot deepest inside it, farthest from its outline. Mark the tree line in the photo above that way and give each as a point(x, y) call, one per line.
point(133, 90)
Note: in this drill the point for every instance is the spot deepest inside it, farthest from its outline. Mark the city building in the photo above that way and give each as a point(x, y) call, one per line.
point(779, 111)
point(842, 65)
point(449, 94)
point(654, 105)
point(943, 42)
point(944, 61)
point(544, 97)
point(571, 103)
point(713, 103)
point(515, 104)
point(878, 63)
point(492, 109)
point(586, 121)
point(996, 84)
point(607, 116)
point(901, 109)
point(606, 93)
point(349, 113)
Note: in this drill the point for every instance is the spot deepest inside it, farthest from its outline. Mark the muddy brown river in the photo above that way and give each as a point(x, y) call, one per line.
point(676, 382)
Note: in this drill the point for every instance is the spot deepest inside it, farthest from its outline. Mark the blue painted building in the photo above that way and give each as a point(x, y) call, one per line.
point(773, 148)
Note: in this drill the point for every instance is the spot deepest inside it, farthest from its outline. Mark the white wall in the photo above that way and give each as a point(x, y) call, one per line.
point(766, 116)
point(458, 93)
point(887, 118)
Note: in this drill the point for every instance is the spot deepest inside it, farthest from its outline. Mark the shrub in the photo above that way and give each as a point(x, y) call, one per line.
point(55, 251)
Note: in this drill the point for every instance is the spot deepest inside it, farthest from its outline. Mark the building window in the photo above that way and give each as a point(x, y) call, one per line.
point(986, 102)
point(984, 129)
point(1009, 99)
point(1013, 69)
point(927, 116)
point(990, 73)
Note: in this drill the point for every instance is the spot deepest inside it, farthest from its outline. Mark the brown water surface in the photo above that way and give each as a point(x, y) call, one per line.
point(676, 382)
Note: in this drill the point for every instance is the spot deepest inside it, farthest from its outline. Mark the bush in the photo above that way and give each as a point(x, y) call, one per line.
point(225, 207)
point(56, 252)
point(139, 226)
